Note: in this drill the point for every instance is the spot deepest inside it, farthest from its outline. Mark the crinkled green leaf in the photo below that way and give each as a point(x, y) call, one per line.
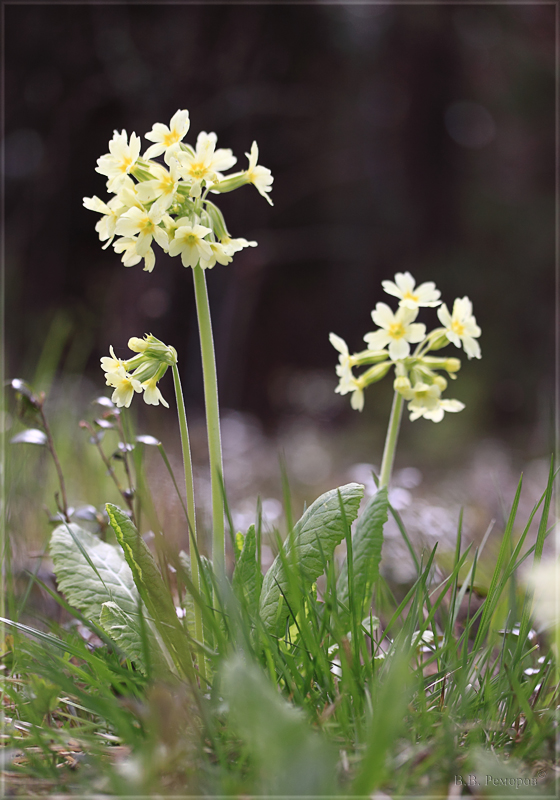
point(127, 633)
point(313, 540)
point(366, 549)
point(151, 587)
point(93, 574)
point(107, 576)
point(247, 577)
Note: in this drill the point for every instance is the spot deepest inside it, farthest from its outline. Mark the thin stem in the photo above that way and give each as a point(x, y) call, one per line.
point(212, 419)
point(50, 445)
point(110, 471)
point(391, 440)
point(191, 520)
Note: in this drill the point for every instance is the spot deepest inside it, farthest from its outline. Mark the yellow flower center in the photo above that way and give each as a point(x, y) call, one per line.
point(125, 164)
point(191, 239)
point(170, 138)
point(396, 330)
point(458, 327)
point(167, 184)
point(410, 296)
point(198, 170)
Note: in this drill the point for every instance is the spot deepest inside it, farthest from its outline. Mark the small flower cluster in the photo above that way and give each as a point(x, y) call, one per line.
point(168, 204)
point(141, 373)
point(416, 377)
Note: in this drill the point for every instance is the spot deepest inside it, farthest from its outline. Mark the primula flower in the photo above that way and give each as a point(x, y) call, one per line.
point(112, 363)
point(344, 366)
point(111, 211)
point(189, 242)
point(128, 247)
point(347, 384)
point(232, 246)
point(167, 139)
point(461, 327)
point(120, 160)
point(204, 164)
point(124, 385)
point(425, 401)
point(397, 330)
point(424, 295)
point(152, 394)
point(146, 225)
point(260, 177)
point(220, 254)
point(162, 188)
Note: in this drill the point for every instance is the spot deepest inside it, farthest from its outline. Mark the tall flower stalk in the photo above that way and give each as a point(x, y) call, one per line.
point(167, 205)
point(416, 374)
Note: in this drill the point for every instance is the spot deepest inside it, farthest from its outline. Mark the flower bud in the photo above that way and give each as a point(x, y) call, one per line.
point(402, 384)
point(137, 345)
point(217, 221)
point(452, 365)
point(376, 373)
point(231, 183)
point(440, 382)
point(438, 339)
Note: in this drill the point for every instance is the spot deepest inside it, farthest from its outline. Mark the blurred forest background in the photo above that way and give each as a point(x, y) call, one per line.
point(401, 137)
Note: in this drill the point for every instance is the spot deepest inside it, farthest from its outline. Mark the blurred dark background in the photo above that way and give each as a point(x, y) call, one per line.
point(415, 137)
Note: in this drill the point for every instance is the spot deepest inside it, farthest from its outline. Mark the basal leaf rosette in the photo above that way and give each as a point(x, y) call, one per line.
point(416, 373)
point(166, 204)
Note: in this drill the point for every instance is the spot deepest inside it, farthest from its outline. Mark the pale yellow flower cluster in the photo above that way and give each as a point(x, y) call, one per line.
point(168, 203)
point(141, 373)
point(416, 377)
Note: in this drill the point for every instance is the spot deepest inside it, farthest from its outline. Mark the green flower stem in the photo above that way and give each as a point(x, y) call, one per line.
point(191, 520)
point(391, 440)
point(212, 419)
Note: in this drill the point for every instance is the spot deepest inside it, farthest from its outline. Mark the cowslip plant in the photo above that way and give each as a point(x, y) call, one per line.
point(416, 374)
point(167, 204)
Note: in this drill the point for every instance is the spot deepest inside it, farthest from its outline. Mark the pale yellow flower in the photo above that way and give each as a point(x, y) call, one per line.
point(152, 394)
point(397, 330)
point(120, 160)
point(259, 176)
point(111, 363)
point(124, 385)
point(205, 163)
point(189, 242)
point(162, 188)
point(167, 139)
point(144, 225)
point(461, 327)
point(410, 297)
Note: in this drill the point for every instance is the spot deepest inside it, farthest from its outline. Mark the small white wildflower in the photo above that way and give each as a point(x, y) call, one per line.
point(403, 287)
